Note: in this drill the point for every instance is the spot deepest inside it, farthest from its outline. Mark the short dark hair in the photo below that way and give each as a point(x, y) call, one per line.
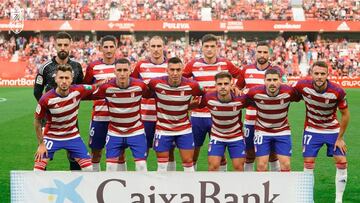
point(262, 43)
point(63, 35)
point(273, 71)
point(223, 74)
point(122, 61)
point(174, 60)
point(64, 68)
point(320, 63)
point(108, 38)
point(208, 38)
point(156, 37)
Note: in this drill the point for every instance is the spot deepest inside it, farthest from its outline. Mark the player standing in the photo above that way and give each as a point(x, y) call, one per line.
point(123, 96)
point(226, 130)
point(203, 71)
point(45, 78)
point(152, 67)
point(60, 106)
point(251, 76)
point(272, 130)
point(322, 99)
point(96, 71)
point(172, 95)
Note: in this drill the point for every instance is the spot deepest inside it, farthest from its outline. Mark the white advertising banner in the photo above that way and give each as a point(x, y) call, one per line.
point(153, 187)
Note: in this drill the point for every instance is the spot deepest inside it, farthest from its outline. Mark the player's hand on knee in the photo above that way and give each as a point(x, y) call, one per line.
point(340, 143)
point(41, 151)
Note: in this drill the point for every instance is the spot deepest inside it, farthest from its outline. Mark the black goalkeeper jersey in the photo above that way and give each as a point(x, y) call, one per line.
point(45, 79)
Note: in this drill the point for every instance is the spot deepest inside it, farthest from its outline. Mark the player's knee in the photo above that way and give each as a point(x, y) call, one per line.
point(261, 166)
point(213, 167)
point(285, 166)
point(309, 164)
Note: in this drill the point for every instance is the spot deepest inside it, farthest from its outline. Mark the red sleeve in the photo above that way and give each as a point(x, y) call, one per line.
point(241, 79)
point(86, 91)
point(196, 91)
point(203, 102)
point(295, 96)
point(136, 72)
point(89, 75)
point(233, 70)
point(188, 69)
point(99, 93)
point(146, 93)
point(40, 111)
point(342, 102)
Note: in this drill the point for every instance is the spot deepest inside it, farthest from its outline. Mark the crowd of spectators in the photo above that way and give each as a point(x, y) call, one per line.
point(332, 9)
point(179, 9)
point(294, 54)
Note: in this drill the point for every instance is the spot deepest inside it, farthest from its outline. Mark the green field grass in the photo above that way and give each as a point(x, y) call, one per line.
point(18, 144)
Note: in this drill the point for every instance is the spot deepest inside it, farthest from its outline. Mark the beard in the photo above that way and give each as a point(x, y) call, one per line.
point(262, 61)
point(63, 55)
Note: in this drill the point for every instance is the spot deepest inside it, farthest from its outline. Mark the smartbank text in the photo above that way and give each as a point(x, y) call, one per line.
point(16, 82)
point(152, 196)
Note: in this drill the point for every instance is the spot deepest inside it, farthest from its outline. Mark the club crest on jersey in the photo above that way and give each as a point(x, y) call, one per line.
point(234, 108)
point(182, 93)
point(219, 68)
point(201, 69)
point(215, 108)
point(132, 94)
point(282, 101)
point(327, 101)
point(74, 100)
point(114, 95)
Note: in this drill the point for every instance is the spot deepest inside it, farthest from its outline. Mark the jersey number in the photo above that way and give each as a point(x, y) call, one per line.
point(307, 139)
point(48, 144)
point(258, 139)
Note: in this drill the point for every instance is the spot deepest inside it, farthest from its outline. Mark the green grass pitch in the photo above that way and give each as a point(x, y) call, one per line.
point(18, 144)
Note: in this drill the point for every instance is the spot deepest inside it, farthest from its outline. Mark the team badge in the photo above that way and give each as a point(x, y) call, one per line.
point(74, 100)
point(219, 68)
point(114, 95)
point(234, 108)
point(132, 94)
point(16, 19)
point(282, 101)
point(201, 69)
point(327, 101)
point(182, 93)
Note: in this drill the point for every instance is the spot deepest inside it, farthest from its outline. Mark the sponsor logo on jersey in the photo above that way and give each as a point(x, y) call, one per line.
point(39, 80)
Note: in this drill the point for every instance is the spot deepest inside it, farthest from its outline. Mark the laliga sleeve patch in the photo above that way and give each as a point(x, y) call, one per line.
point(39, 80)
point(88, 87)
point(38, 109)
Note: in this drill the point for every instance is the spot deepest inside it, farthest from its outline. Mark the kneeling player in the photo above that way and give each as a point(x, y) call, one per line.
point(123, 95)
point(60, 107)
point(226, 129)
point(272, 130)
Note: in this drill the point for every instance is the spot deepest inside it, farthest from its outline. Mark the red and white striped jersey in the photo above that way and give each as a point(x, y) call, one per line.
point(172, 105)
point(321, 107)
point(124, 107)
point(252, 76)
point(272, 111)
point(95, 72)
point(61, 112)
point(226, 117)
point(205, 73)
point(146, 70)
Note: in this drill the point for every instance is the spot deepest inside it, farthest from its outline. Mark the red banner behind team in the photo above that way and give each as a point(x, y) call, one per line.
point(216, 26)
